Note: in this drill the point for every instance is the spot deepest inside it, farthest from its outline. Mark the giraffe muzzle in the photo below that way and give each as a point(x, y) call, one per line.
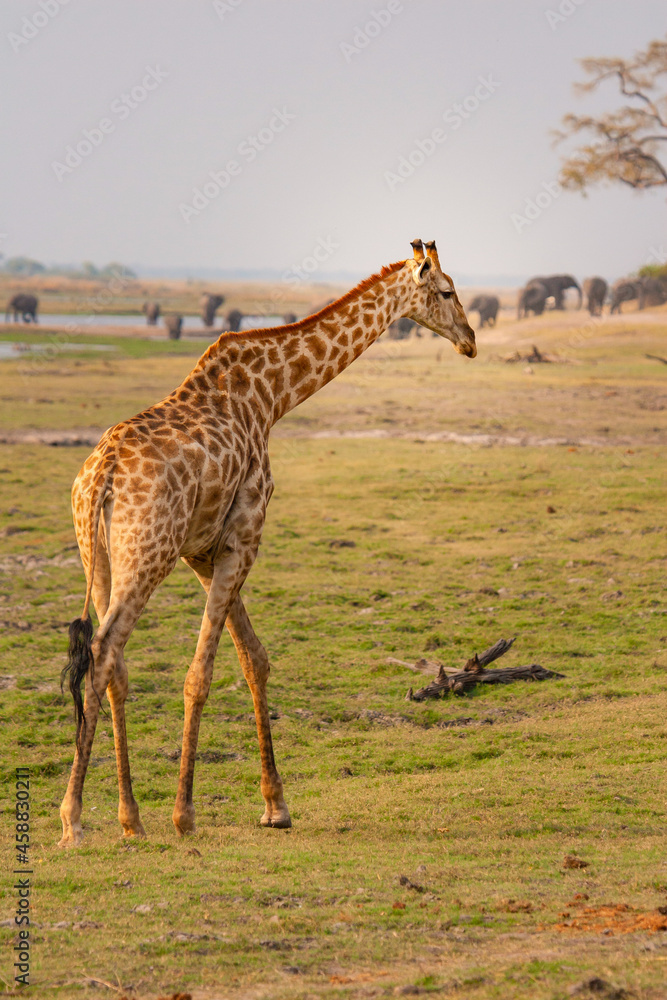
point(468, 349)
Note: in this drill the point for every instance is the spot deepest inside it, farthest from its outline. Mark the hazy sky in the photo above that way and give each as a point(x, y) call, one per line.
point(306, 115)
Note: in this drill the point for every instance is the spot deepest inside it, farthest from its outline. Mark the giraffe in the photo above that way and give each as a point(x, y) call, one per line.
point(190, 477)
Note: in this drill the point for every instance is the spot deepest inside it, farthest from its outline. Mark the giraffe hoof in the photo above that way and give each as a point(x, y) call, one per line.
point(184, 823)
point(135, 830)
point(71, 838)
point(278, 820)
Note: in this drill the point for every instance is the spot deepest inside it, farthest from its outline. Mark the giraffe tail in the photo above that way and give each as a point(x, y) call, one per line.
point(80, 659)
point(79, 662)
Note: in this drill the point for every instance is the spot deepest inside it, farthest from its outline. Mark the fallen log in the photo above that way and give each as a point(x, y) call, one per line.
point(535, 357)
point(475, 672)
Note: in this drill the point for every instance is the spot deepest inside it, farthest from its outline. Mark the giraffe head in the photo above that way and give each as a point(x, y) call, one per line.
point(434, 302)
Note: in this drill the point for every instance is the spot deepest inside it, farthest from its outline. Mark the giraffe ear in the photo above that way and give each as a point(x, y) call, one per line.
point(421, 273)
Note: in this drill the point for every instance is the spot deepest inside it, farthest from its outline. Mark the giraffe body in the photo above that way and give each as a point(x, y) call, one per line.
point(190, 477)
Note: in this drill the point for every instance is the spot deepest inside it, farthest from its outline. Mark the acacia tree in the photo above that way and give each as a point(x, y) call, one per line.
point(623, 145)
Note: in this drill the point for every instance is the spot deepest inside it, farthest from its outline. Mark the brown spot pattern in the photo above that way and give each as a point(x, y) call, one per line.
point(191, 476)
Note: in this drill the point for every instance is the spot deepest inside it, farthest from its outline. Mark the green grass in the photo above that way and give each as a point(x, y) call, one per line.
point(477, 814)
point(454, 547)
point(154, 344)
point(606, 390)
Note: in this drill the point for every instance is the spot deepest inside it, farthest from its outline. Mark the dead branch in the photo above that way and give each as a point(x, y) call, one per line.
point(493, 652)
point(475, 672)
point(656, 357)
point(536, 357)
point(420, 666)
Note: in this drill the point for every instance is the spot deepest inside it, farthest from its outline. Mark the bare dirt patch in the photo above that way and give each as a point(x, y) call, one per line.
point(614, 918)
point(87, 436)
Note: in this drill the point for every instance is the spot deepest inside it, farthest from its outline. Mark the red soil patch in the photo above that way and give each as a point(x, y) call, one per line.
point(614, 918)
point(516, 906)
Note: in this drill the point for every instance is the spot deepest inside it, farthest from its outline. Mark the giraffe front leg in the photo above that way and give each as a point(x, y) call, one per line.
point(195, 693)
point(255, 664)
point(197, 685)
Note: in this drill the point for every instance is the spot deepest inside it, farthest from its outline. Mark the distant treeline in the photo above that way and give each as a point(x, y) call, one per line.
point(653, 271)
point(26, 267)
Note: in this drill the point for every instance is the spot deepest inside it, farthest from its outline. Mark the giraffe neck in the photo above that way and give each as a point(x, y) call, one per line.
point(275, 370)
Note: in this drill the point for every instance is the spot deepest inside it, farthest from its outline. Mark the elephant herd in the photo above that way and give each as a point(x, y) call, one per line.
point(647, 290)
point(550, 289)
point(24, 307)
point(209, 305)
point(533, 298)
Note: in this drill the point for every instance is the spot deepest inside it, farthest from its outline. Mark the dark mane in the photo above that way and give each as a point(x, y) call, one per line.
point(260, 333)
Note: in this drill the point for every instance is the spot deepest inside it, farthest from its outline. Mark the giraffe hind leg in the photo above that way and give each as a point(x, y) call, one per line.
point(105, 651)
point(255, 664)
point(107, 645)
point(128, 810)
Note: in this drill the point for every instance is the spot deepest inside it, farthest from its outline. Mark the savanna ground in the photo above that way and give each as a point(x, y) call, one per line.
point(123, 296)
point(451, 519)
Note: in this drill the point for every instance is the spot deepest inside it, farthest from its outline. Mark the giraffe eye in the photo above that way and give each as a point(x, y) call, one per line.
point(446, 295)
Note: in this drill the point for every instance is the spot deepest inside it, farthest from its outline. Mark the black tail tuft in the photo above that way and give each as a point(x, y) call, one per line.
point(79, 662)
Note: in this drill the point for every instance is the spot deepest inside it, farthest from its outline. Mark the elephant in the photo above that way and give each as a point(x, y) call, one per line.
point(595, 290)
point(234, 320)
point(401, 328)
point(209, 306)
point(487, 306)
point(652, 291)
point(556, 285)
point(174, 324)
point(532, 298)
point(152, 312)
point(648, 290)
point(23, 306)
point(624, 290)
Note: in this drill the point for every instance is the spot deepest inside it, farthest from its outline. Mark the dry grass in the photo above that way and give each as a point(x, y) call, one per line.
point(603, 391)
point(60, 295)
point(455, 545)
